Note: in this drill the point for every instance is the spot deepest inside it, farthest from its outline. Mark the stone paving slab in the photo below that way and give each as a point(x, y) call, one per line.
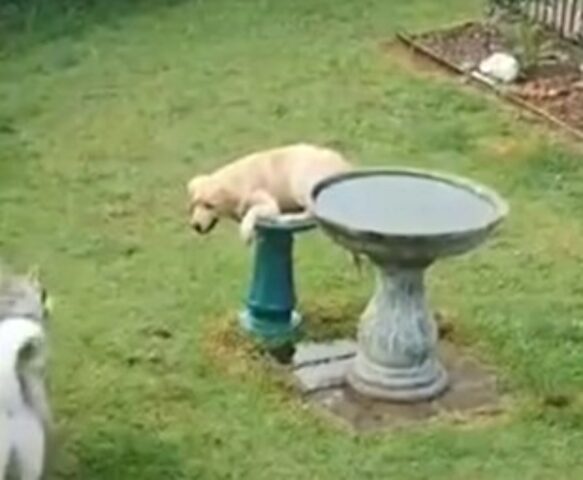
point(319, 366)
point(311, 352)
point(323, 376)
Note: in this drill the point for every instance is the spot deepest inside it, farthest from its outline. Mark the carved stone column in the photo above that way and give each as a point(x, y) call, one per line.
point(397, 356)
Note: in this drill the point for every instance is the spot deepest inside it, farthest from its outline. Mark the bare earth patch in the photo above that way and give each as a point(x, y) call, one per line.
point(472, 395)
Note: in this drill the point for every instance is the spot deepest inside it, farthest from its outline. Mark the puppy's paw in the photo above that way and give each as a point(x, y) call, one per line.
point(248, 238)
point(287, 218)
point(247, 232)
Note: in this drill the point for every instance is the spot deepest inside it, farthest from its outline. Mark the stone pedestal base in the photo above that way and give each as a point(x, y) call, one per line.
point(397, 339)
point(398, 385)
point(271, 331)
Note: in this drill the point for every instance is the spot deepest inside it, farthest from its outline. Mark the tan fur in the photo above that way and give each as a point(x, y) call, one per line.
point(260, 185)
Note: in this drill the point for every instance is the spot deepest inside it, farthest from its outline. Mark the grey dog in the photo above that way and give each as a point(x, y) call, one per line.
point(24, 409)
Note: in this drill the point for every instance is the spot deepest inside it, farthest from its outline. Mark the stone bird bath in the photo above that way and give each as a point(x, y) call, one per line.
point(403, 220)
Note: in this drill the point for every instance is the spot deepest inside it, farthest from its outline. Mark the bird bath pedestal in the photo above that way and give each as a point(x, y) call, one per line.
point(270, 314)
point(403, 220)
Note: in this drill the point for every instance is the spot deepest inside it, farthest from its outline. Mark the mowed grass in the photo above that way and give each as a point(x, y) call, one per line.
point(105, 116)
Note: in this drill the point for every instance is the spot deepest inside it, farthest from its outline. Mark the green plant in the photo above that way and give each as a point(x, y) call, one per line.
point(530, 44)
point(498, 8)
point(507, 4)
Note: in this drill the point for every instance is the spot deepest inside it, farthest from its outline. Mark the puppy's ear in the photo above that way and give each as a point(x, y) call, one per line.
point(217, 195)
point(194, 183)
point(194, 186)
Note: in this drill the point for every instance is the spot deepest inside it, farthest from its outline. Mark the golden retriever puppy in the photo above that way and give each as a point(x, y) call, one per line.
point(261, 185)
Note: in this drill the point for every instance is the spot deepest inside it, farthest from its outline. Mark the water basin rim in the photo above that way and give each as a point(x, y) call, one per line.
point(500, 206)
point(278, 223)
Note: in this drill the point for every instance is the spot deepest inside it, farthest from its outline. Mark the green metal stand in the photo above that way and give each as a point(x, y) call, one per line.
point(270, 313)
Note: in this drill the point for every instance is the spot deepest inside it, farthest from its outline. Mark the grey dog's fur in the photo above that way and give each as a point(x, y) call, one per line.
point(22, 296)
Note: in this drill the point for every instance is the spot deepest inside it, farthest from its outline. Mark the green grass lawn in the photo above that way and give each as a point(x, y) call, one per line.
point(103, 118)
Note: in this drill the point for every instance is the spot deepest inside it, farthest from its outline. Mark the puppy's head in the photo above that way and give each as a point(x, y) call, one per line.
point(204, 204)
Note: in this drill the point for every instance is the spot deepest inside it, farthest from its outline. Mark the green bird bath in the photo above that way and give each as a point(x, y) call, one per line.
point(269, 314)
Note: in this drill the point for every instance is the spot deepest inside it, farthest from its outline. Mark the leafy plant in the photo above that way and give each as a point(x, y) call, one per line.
point(510, 6)
point(500, 11)
point(530, 44)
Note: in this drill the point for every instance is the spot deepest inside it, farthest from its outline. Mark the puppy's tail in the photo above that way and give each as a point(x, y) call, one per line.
point(15, 336)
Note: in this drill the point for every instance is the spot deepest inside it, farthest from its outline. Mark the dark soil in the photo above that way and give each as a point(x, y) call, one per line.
point(555, 85)
point(563, 98)
point(473, 395)
point(466, 45)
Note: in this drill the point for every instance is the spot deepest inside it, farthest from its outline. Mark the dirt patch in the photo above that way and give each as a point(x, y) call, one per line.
point(473, 398)
point(473, 394)
point(566, 100)
point(466, 45)
point(553, 85)
point(229, 351)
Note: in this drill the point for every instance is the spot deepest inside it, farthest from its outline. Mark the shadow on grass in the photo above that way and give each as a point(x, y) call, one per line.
point(236, 355)
point(332, 318)
point(324, 320)
point(122, 453)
